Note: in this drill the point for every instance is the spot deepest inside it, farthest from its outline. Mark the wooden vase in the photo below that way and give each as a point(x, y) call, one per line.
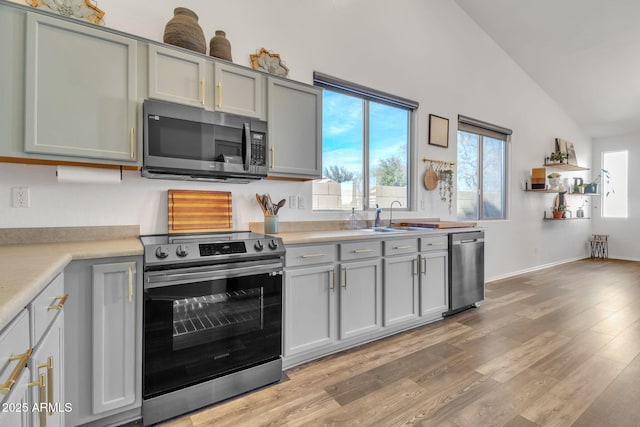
point(184, 31)
point(219, 46)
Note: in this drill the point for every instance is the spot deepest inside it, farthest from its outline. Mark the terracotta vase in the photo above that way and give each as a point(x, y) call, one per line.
point(220, 46)
point(184, 31)
point(557, 214)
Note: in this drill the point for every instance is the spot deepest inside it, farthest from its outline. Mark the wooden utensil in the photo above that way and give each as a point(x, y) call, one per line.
point(431, 179)
point(264, 212)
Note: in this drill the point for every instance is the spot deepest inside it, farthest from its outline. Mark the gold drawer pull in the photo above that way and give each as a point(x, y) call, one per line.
point(58, 306)
point(362, 251)
point(132, 143)
point(312, 255)
point(434, 244)
point(22, 362)
point(41, 398)
point(402, 247)
point(49, 366)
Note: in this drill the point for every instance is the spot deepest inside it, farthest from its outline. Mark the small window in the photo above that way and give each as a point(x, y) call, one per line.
point(366, 142)
point(614, 178)
point(482, 170)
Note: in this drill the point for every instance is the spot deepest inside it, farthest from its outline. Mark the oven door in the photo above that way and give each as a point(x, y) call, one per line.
point(205, 322)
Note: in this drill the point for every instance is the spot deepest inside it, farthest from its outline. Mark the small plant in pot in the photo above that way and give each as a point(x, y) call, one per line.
point(557, 157)
point(593, 186)
point(558, 213)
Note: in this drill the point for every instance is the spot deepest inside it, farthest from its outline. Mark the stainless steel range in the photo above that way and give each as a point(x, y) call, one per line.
point(212, 319)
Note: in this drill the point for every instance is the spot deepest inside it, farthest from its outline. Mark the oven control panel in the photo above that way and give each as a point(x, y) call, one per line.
point(158, 253)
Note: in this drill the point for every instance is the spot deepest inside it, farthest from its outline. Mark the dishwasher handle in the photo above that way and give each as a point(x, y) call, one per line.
point(460, 242)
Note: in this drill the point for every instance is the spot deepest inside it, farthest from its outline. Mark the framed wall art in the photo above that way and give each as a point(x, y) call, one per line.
point(438, 131)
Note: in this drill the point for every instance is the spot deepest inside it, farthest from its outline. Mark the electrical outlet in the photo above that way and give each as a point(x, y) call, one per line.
point(20, 197)
point(293, 202)
point(300, 202)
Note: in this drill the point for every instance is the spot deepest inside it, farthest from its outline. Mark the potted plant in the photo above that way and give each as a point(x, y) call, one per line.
point(593, 186)
point(557, 157)
point(558, 213)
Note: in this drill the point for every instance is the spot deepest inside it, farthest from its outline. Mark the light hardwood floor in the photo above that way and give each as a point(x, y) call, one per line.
point(557, 347)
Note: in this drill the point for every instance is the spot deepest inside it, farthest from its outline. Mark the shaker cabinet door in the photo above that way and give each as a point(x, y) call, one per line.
point(177, 77)
point(400, 289)
point(80, 91)
point(238, 91)
point(295, 129)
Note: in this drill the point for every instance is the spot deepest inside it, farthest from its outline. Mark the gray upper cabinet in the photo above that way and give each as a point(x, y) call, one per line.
point(295, 129)
point(81, 96)
point(238, 90)
point(178, 77)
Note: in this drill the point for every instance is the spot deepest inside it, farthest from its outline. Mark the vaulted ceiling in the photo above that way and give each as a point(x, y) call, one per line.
point(584, 53)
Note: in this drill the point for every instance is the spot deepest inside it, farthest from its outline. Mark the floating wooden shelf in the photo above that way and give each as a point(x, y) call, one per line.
point(565, 166)
point(564, 219)
point(565, 192)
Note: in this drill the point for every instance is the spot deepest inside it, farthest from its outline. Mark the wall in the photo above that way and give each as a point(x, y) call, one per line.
point(623, 232)
point(429, 51)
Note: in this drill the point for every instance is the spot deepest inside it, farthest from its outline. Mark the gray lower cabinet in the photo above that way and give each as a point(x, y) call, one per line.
point(309, 305)
point(434, 276)
point(80, 91)
point(14, 352)
point(360, 297)
point(103, 367)
point(47, 369)
point(400, 289)
point(295, 129)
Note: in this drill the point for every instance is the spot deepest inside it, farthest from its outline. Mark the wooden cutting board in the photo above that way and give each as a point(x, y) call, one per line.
point(199, 211)
point(440, 224)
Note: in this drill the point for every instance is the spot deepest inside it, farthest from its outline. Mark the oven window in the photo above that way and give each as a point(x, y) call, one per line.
point(194, 332)
point(198, 320)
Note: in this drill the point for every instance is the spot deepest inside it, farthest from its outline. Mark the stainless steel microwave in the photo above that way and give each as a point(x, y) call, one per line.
point(188, 143)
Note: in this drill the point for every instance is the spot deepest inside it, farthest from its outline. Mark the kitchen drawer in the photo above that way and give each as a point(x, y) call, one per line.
point(434, 243)
point(310, 255)
point(360, 250)
point(400, 247)
point(45, 307)
point(14, 341)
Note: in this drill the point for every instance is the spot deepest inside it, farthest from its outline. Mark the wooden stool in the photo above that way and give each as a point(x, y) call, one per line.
point(599, 246)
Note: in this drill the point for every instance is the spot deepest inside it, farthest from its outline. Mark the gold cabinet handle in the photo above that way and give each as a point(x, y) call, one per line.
point(130, 284)
point(272, 149)
point(362, 251)
point(401, 247)
point(132, 143)
point(344, 283)
point(332, 278)
point(41, 398)
point(22, 362)
point(202, 92)
point(312, 255)
point(62, 298)
point(424, 266)
point(414, 264)
point(219, 94)
point(49, 366)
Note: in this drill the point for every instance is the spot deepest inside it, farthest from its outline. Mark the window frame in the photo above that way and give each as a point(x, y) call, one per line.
point(484, 129)
point(368, 95)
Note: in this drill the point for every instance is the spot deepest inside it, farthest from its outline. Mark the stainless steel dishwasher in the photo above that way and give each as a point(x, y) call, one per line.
point(466, 270)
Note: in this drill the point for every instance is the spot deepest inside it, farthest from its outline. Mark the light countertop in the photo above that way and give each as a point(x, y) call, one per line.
point(332, 236)
point(25, 269)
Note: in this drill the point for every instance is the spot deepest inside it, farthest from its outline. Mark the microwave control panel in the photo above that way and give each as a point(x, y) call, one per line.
point(258, 148)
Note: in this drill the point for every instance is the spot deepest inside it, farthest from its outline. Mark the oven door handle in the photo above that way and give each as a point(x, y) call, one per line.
point(158, 279)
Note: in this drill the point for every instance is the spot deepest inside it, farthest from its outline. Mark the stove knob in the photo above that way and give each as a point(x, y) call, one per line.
point(273, 244)
point(162, 252)
point(182, 251)
point(258, 246)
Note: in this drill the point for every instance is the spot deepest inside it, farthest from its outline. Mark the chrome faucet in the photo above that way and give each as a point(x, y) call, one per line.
point(391, 211)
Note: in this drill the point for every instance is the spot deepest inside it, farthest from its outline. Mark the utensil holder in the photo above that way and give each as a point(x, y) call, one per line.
point(271, 224)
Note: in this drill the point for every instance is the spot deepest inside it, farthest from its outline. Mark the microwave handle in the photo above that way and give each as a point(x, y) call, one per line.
point(246, 143)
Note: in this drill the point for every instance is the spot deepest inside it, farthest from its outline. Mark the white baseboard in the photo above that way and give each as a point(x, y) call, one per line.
point(534, 268)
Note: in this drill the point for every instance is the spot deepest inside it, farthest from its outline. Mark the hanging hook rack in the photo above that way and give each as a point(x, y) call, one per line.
point(442, 162)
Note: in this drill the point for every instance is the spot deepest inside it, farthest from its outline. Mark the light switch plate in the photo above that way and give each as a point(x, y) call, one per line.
point(293, 202)
point(300, 202)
